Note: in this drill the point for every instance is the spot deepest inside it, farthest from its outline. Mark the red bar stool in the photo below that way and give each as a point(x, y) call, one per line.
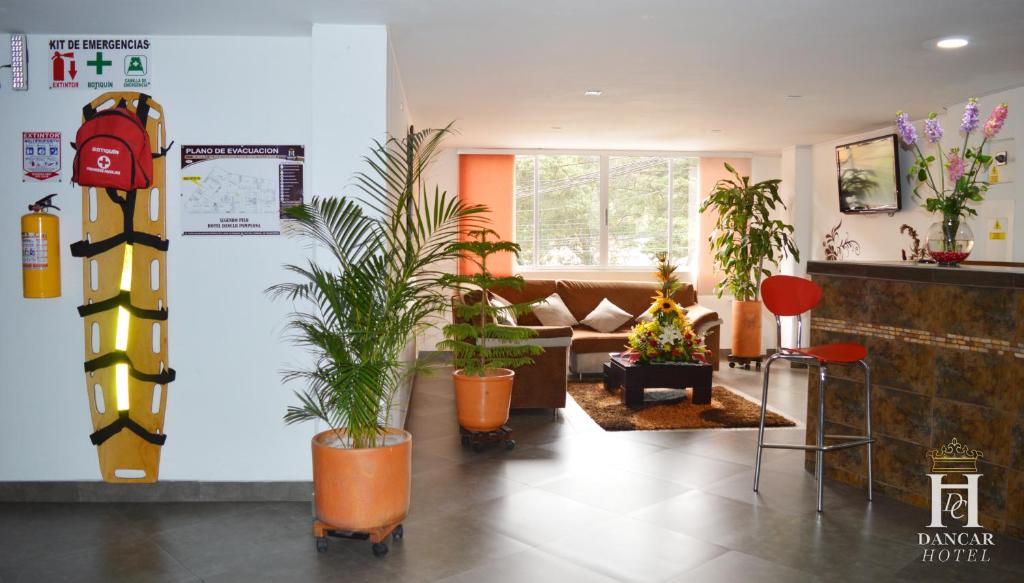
point(785, 295)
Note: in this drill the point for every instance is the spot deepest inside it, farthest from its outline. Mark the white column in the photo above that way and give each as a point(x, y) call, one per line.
point(796, 191)
point(349, 103)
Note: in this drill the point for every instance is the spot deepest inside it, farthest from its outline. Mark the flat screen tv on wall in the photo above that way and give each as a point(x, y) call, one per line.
point(869, 176)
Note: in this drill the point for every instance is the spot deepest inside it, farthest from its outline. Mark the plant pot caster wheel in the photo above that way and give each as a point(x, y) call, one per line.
point(380, 549)
point(398, 533)
point(478, 440)
point(321, 544)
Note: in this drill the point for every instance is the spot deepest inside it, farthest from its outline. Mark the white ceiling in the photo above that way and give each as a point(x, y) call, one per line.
point(671, 70)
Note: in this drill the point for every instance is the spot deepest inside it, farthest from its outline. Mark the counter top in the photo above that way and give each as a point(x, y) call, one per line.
point(965, 275)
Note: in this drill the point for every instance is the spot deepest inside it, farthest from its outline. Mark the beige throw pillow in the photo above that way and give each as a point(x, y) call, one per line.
point(504, 317)
point(552, 311)
point(607, 317)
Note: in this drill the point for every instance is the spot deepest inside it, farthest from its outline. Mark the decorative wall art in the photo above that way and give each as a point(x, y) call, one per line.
point(916, 251)
point(124, 247)
point(836, 247)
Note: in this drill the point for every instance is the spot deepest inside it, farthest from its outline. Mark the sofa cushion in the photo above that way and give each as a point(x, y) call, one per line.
point(584, 341)
point(700, 316)
point(535, 289)
point(607, 317)
point(552, 312)
point(503, 316)
point(581, 297)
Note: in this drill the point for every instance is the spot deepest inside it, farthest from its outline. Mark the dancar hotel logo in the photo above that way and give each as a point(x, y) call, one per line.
point(954, 480)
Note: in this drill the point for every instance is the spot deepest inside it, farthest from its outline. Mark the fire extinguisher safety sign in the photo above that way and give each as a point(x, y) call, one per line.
point(34, 251)
point(114, 63)
point(40, 155)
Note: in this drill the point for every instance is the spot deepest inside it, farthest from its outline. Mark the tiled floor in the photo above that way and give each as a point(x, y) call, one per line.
point(570, 504)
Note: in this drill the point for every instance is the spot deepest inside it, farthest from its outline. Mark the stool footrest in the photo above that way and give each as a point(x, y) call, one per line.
point(854, 441)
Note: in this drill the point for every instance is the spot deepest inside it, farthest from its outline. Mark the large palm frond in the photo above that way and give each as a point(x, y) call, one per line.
point(357, 314)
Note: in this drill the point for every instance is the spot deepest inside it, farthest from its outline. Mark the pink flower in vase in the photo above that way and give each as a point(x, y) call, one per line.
point(995, 121)
point(956, 165)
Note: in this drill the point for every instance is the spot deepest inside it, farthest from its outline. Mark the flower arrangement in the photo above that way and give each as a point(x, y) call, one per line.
point(667, 336)
point(957, 183)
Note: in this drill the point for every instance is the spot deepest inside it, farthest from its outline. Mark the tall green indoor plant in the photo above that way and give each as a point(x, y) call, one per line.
point(484, 351)
point(371, 284)
point(745, 243)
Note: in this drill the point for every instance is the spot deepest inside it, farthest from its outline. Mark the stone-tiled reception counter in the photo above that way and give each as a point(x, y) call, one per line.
point(946, 348)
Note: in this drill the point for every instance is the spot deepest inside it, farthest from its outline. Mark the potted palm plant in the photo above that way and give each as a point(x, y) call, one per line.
point(357, 309)
point(745, 242)
point(484, 351)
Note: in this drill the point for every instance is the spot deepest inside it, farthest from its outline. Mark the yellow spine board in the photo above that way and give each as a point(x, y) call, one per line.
point(125, 453)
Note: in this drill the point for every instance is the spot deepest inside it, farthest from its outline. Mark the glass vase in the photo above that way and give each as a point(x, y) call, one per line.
point(950, 241)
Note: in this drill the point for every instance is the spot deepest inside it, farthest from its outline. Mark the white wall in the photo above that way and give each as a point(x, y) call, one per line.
point(879, 235)
point(224, 413)
point(399, 116)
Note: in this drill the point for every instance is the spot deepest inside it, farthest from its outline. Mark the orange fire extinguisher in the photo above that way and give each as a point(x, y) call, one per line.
point(40, 250)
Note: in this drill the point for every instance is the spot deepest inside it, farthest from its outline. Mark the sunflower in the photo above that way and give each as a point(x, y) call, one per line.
point(665, 305)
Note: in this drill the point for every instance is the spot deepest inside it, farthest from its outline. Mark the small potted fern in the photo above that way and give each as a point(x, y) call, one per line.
point(484, 351)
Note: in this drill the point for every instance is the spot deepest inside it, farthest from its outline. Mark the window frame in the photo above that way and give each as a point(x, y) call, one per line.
point(688, 263)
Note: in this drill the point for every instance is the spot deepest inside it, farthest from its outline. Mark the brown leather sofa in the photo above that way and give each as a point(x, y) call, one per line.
point(582, 349)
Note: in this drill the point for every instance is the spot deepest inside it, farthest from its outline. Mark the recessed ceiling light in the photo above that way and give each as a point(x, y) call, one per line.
point(716, 131)
point(592, 92)
point(951, 43)
point(794, 97)
point(556, 127)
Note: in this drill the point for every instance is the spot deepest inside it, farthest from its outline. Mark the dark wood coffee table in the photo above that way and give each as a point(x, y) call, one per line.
point(635, 377)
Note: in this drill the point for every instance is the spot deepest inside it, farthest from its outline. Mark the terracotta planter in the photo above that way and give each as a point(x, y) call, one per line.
point(746, 328)
point(483, 402)
point(362, 490)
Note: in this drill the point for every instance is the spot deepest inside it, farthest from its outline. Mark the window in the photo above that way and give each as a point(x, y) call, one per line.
point(645, 201)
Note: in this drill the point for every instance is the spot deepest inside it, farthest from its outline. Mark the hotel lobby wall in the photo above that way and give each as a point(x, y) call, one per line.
point(224, 412)
point(878, 234)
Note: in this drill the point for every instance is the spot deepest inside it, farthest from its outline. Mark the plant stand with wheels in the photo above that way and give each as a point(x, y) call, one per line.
point(378, 537)
point(745, 361)
point(479, 439)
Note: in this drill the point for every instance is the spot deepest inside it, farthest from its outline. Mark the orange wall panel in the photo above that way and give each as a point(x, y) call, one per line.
point(489, 179)
point(711, 171)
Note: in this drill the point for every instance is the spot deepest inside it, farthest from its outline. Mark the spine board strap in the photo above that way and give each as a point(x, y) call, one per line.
point(129, 235)
point(123, 299)
point(121, 357)
point(124, 421)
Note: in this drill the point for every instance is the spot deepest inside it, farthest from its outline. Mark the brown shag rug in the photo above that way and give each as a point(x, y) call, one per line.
point(727, 409)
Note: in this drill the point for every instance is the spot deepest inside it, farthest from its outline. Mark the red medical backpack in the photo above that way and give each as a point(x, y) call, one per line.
point(112, 148)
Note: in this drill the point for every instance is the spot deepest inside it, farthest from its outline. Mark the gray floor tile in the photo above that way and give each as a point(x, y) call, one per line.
point(531, 566)
point(716, 519)
point(684, 468)
point(735, 566)
point(630, 550)
point(536, 516)
point(443, 546)
point(614, 489)
point(126, 561)
point(222, 546)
